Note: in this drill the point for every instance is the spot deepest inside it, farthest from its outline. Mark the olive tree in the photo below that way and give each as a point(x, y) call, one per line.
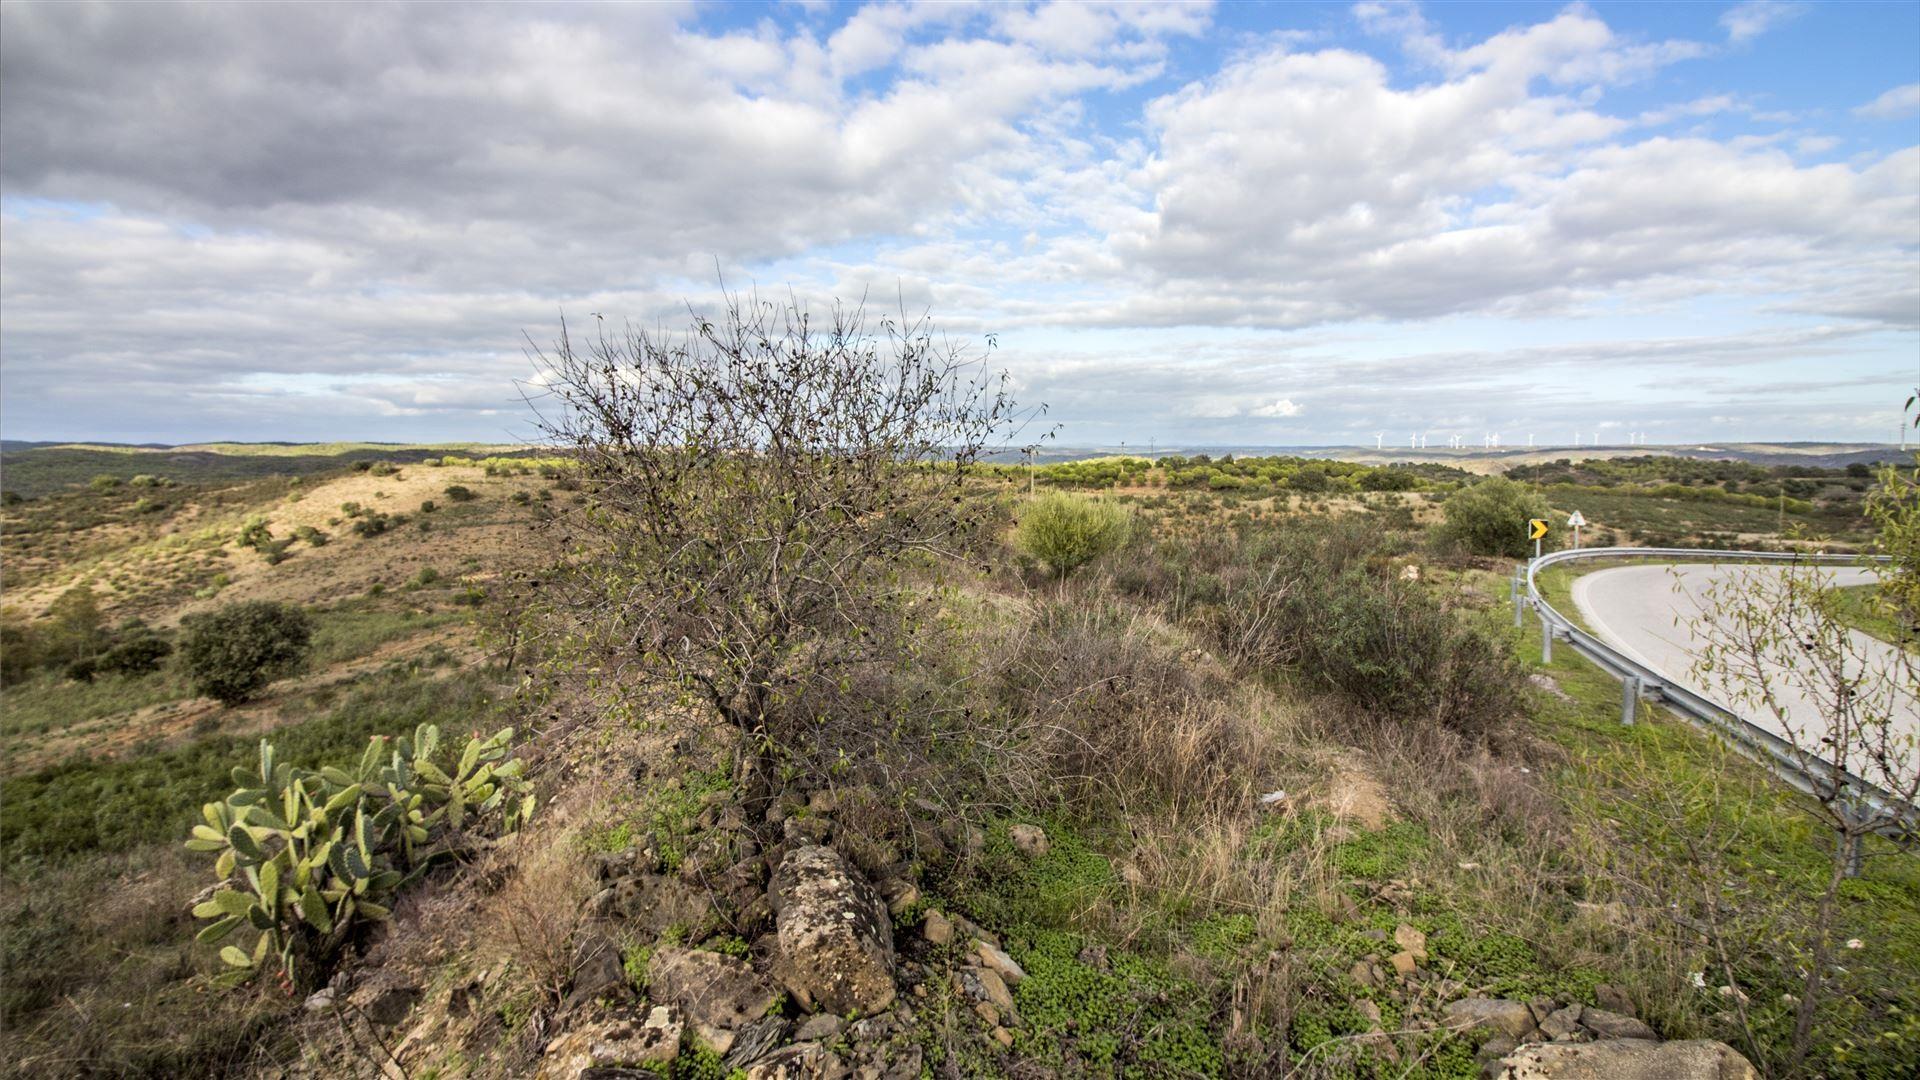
point(1490, 517)
point(760, 487)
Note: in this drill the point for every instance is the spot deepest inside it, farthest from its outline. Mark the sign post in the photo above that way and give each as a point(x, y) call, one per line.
point(1576, 521)
point(1536, 528)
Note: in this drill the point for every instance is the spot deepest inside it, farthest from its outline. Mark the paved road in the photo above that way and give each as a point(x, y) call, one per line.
point(1633, 609)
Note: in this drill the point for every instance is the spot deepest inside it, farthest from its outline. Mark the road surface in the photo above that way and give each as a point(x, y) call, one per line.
point(1634, 609)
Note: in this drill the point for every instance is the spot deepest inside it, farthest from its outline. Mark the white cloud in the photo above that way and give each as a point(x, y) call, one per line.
point(1746, 21)
point(1896, 102)
point(1280, 408)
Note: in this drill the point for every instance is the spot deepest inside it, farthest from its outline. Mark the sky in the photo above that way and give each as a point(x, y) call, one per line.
point(1172, 224)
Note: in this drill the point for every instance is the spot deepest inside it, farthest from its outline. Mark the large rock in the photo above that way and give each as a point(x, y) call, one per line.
point(1491, 1015)
point(836, 940)
point(801, 1061)
point(719, 994)
point(1626, 1059)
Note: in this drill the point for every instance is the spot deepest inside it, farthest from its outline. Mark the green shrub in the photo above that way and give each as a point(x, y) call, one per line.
point(1065, 531)
point(459, 493)
point(1490, 518)
point(235, 652)
point(428, 506)
point(139, 651)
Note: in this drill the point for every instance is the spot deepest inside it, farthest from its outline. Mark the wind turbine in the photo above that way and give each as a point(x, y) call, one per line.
point(1377, 436)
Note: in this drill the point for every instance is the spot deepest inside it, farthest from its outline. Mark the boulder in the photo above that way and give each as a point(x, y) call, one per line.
point(1626, 1059)
point(1029, 840)
point(1403, 963)
point(836, 939)
point(719, 994)
point(1492, 1015)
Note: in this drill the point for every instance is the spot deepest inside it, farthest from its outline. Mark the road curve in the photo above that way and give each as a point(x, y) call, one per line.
point(1645, 611)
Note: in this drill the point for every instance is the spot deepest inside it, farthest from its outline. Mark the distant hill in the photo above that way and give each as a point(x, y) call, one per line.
point(1821, 454)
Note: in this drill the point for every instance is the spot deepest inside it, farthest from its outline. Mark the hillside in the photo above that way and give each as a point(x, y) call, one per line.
point(1271, 789)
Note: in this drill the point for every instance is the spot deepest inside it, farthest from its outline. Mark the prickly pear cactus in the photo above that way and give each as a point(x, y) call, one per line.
point(306, 859)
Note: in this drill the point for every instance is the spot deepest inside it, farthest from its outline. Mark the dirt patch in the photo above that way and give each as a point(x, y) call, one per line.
point(1354, 794)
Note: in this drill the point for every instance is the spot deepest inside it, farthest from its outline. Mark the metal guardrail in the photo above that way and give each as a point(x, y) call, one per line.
point(1806, 773)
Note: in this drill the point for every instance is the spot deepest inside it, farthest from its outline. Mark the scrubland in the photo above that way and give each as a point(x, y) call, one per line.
point(1280, 732)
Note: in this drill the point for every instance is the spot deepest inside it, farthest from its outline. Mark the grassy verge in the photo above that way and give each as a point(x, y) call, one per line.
point(1859, 607)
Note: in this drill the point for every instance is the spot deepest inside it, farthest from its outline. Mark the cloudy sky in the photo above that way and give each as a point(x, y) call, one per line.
point(1236, 225)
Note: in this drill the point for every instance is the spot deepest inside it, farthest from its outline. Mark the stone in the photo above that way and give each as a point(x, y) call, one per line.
point(1612, 1025)
point(1496, 1048)
point(755, 1041)
point(654, 902)
point(980, 984)
point(1614, 999)
point(1412, 940)
point(1366, 974)
point(800, 1061)
point(836, 939)
point(1403, 963)
point(597, 969)
point(1029, 840)
point(320, 1000)
point(1376, 1036)
point(614, 1047)
point(996, 960)
point(1546, 682)
point(719, 994)
point(987, 1012)
point(806, 831)
point(1626, 1059)
point(819, 1028)
point(971, 929)
point(900, 894)
point(822, 802)
point(1562, 1025)
point(938, 929)
point(1492, 1015)
point(1003, 1036)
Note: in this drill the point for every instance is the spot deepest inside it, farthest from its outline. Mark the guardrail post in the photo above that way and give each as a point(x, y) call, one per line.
point(1546, 638)
point(1519, 617)
point(1629, 697)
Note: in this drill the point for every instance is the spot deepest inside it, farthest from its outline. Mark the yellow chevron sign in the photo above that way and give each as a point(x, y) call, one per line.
point(1536, 528)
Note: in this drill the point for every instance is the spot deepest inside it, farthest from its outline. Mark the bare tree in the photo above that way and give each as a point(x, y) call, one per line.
point(761, 488)
point(1777, 646)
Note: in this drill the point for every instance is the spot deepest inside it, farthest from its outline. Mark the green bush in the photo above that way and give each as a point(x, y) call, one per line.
point(1065, 532)
point(235, 652)
point(1490, 518)
point(459, 493)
